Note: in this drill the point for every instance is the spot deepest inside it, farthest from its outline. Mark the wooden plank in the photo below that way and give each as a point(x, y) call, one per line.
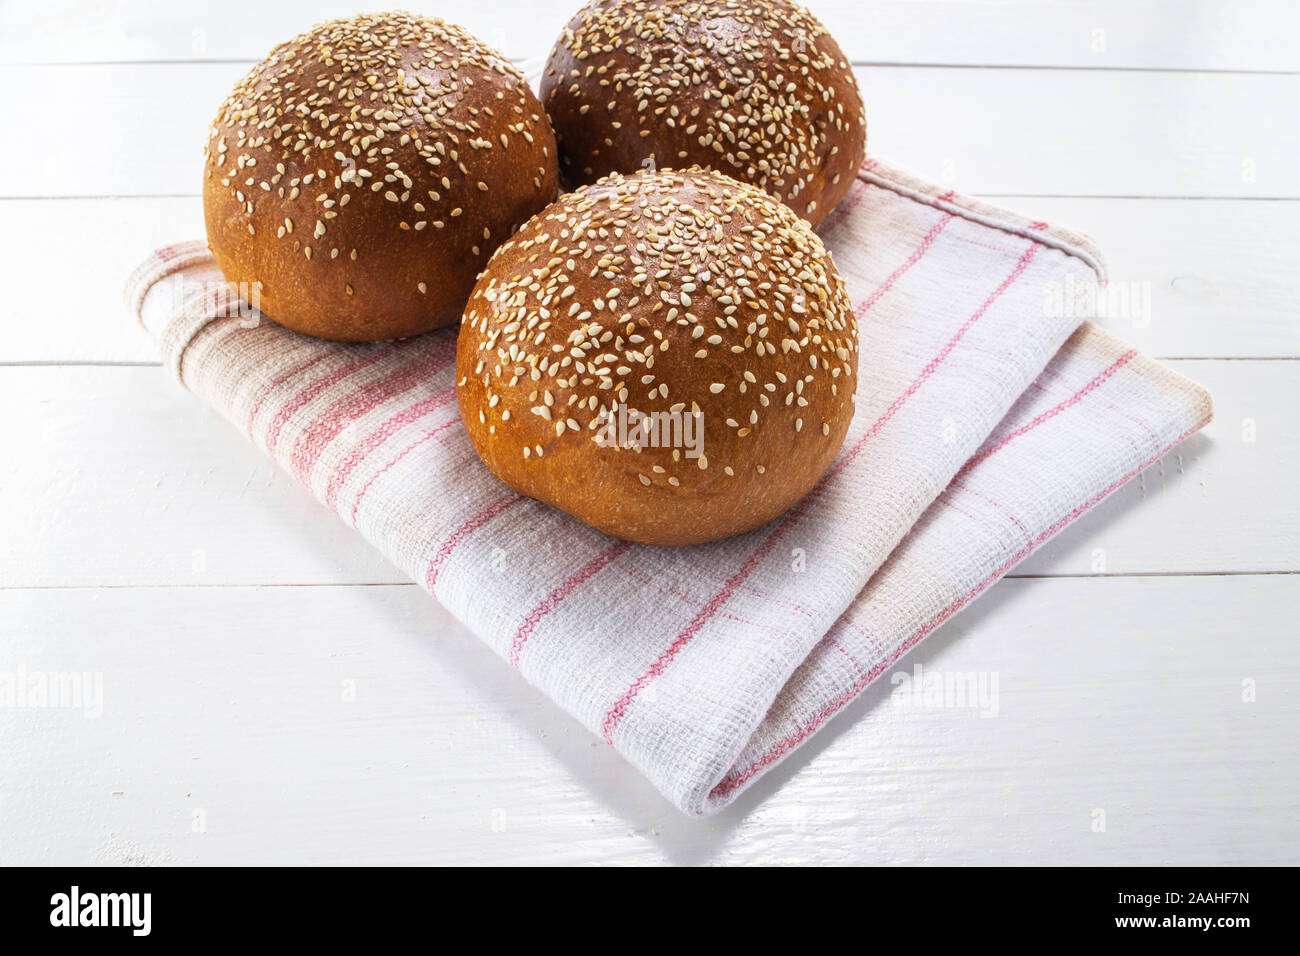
point(1219, 274)
point(123, 455)
point(226, 736)
point(65, 263)
point(1233, 482)
point(141, 127)
point(1100, 34)
point(1156, 34)
point(1080, 133)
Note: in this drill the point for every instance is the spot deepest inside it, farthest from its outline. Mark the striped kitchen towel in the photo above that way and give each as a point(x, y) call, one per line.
point(989, 416)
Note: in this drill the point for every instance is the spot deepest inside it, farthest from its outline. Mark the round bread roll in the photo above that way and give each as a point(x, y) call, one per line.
point(364, 171)
point(670, 357)
point(758, 90)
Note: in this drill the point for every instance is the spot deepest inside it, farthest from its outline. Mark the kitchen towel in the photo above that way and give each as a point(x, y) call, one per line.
point(989, 416)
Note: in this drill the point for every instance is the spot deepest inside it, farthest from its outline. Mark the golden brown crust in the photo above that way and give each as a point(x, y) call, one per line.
point(364, 172)
point(757, 90)
point(662, 294)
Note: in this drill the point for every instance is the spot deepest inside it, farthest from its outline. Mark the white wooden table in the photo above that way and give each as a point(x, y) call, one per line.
point(274, 691)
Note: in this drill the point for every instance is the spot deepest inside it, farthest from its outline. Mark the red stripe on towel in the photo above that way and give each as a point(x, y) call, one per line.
point(463, 532)
point(619, 708)
point(917, 255)
point(1099, 379)
point(359, 401)
point(356, 505)
point(276, 383)
point(315, 387)
point(556, 597)
point(343, 470)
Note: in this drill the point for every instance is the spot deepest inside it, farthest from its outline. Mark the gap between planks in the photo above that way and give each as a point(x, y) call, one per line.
point(855, 64)
point(1064, 576)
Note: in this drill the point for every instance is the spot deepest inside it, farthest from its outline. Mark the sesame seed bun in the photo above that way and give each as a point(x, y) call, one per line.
point(758, 90)
point(662, 298)
point(364, 171)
